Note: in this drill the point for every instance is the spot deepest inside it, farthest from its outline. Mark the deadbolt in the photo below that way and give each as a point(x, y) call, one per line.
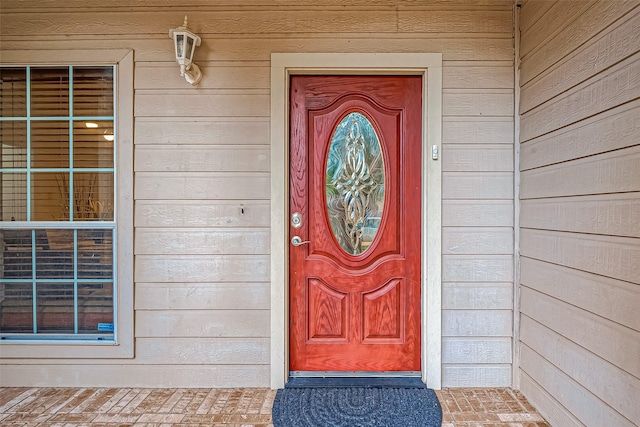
point(296, 220)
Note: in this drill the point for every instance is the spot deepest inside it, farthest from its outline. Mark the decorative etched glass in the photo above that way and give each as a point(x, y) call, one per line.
point(355, 183)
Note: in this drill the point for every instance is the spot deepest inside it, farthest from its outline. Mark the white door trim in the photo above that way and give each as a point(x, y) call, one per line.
point(428, 65)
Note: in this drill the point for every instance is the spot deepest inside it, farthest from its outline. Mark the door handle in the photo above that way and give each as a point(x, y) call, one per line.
point(297, 241)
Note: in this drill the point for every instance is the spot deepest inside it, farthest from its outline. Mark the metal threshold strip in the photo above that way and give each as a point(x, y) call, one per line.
point(405, 379)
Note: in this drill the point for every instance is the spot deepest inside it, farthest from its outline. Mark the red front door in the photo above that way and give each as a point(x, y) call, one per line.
point(355, 231)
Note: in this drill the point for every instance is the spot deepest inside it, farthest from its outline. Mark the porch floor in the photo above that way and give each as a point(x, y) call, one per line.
point(462, 407)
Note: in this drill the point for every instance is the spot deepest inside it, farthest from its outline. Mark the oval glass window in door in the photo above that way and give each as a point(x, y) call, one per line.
point(355, 183)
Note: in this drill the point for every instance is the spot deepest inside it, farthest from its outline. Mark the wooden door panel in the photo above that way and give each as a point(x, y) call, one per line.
point(356, 311)
point(382, 310)
point(329, 307)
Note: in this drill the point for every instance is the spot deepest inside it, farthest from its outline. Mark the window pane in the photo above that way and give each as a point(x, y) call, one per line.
point(95, 308)
point(13, 136)
point(93, 146)
point(49, 92)
point(16, 307)
point(93, 196)
point(13, 92)
point(55, 260)
point(95, 249)
point(50, 196)
point(16, 254)
point(50, 144)
point(14, 196)
point(54, 307)
point(93, 91)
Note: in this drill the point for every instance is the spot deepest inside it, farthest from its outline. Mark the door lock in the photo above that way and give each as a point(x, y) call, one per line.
point(297, 241)
point(296, 220)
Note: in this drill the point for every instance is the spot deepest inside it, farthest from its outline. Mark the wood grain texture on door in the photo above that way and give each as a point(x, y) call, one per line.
point(355, 286)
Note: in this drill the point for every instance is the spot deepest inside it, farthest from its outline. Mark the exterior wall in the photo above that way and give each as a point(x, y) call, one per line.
point(202, 158)
point(580, 211)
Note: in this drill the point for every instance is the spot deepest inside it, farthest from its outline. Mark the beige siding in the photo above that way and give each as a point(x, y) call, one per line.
point(580, 211)
point(202, 161)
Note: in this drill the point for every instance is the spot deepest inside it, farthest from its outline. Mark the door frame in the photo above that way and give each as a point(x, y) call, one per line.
point(427, 65)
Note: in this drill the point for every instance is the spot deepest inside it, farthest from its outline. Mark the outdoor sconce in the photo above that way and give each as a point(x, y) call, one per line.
point(186, 42)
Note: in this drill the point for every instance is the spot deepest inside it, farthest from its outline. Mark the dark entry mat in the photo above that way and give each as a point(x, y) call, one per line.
point(356, 407)
point(394, 382)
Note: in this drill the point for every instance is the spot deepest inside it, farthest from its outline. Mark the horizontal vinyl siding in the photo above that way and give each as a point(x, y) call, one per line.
point(477, 218)
point(580, 211)
point(202, 159)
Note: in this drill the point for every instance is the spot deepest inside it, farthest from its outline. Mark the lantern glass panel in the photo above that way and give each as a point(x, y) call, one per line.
point(180, 46)
point(189, 51)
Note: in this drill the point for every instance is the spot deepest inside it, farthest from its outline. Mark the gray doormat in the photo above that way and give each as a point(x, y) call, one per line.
point(356, 407)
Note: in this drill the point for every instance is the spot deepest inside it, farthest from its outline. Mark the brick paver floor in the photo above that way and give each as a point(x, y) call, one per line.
point(105, 407)
point(487, 407)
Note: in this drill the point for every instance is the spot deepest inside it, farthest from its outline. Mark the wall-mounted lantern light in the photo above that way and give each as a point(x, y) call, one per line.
point(185, 42)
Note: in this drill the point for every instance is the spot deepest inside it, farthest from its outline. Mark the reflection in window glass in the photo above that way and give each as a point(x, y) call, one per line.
point(93, 146)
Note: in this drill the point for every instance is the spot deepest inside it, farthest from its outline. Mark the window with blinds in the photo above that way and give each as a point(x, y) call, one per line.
point(57, 229)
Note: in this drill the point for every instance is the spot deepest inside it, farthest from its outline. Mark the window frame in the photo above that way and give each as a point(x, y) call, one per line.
point(122, 345)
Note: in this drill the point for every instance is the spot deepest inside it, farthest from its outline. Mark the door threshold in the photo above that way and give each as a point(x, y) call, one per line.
point(300, 379)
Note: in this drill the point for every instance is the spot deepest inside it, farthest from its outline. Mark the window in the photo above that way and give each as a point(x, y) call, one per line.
point(61, 208)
